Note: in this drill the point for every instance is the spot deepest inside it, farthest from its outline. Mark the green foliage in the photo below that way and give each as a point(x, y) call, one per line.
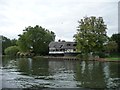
point(83, 56)
point(111, 46)
point(91, 35)
point(5, 43)
point(101, 54)
point(13, 42)
point(12, 50)
point(116, 38)
point(35, 39)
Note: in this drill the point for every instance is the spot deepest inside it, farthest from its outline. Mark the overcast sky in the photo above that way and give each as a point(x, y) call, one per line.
point(59, 16)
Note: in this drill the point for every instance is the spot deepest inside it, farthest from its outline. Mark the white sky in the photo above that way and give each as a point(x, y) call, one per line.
point(59, 16)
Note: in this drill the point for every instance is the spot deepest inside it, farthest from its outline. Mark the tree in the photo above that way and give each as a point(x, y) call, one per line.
point(13, 42)
point(12, 50)
point(111, 47)
point(6, 42)
point(91, 35)
point(35, 39)
point(116, 38)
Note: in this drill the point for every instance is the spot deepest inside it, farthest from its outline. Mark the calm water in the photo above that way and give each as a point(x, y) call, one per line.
point(39, 72)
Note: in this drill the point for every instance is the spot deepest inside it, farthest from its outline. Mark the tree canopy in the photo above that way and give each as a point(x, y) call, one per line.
point(116, 38)
point(35, 39)
point(6, 42)
point(11, 50)
point(91, 35)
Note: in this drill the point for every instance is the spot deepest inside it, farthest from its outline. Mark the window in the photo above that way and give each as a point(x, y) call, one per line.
point(68, 44)
point(74, 44)
point(74, 49)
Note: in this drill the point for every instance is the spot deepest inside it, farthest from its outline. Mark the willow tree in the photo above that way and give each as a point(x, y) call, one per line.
point(35, 39)
point(91, 35)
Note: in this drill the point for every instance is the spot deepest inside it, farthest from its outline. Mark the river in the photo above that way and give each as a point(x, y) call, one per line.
point(45, 73)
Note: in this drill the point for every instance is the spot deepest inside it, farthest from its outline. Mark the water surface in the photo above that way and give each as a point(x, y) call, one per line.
point(45, 73)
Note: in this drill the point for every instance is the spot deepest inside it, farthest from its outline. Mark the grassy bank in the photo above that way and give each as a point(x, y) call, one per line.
point(113, 59)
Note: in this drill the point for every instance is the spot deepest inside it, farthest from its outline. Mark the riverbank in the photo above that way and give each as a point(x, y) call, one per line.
point(107, 59)
point(111, 59)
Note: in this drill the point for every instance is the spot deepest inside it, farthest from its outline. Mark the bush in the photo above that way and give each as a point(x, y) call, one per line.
point(114, 54)
point(12, 50)
point(101, 54)
point(83, 56)
point(79, 56)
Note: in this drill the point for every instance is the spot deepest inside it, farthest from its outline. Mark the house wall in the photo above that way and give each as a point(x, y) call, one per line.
point(61, 48)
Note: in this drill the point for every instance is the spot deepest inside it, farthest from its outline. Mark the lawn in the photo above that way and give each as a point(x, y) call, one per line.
point(113, 58)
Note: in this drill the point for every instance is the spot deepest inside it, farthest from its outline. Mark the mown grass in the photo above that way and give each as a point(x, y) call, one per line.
point(113, 58)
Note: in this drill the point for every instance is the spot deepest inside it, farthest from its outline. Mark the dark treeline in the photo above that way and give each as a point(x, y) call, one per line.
point(6, 42)
point(116, 38)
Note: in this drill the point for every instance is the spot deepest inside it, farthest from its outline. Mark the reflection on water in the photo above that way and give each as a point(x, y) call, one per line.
point(40, 72)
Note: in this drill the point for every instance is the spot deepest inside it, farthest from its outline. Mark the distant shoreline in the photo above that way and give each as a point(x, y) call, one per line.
point(74, 58)
point(115, 59)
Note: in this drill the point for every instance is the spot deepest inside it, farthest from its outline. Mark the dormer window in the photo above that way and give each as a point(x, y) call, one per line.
point(68, 44)
point(74, 44)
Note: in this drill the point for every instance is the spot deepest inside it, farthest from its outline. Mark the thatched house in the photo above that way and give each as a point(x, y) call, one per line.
point(62, 48)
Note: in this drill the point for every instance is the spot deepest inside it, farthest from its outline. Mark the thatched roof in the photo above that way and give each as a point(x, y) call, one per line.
point(62, 45)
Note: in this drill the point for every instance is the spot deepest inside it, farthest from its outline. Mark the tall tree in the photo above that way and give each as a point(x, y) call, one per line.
point(91, 35)
point(35, 39)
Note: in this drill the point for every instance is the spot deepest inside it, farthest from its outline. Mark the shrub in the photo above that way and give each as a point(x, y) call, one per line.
point(12, 50)
point(83, 56)
point(102, 55)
